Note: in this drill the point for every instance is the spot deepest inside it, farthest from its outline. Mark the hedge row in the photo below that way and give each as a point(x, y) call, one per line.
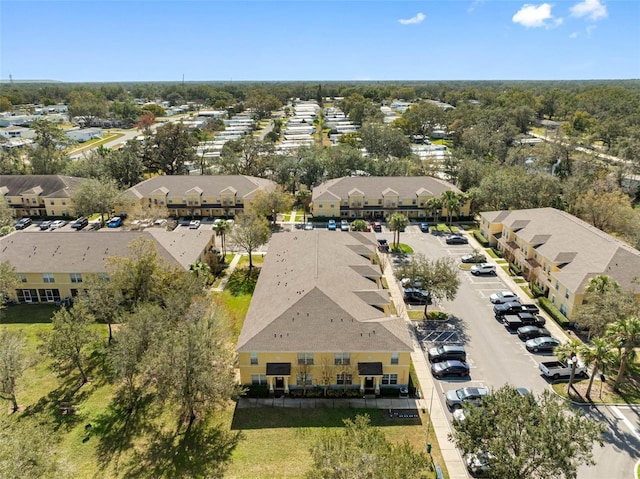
point(554, 312)
point(481, 239)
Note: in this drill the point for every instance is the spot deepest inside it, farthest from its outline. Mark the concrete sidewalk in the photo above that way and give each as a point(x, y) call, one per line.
point(440, 426)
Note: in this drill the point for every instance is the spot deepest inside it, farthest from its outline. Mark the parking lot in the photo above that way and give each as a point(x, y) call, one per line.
point(497, 356)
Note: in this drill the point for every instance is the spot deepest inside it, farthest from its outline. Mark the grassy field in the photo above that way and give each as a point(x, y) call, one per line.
point(275, 442)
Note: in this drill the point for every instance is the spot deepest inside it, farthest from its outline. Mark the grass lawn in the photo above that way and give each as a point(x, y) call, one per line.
point(257, 259)
point(277, 441)
point(603, 393)
point(402, 248)
point(416, 314)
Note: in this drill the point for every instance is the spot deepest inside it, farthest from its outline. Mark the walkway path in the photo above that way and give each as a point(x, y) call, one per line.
point(227, 274)
point(440, 426)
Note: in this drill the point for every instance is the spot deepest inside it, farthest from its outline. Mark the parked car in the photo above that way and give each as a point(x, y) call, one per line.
point(407, 283)
point(377, 227)
point(115, 222)
point(445, 352)
point(23, 223)
point(479, 464)
point(559, 369)
point(424, 227)
point(483, 268)
point(308, 226)
point(526, 333)
point(503, 297)
point(331, 225)
point(344, 225)
point(455, 398)
point(544, 343)
point(416, 296)
point(474, 258)
point(194, 224)
point(80, 223)
point(518, 320)
point(383, 245)
point(514, 307)
point(456, 239)
point(45, 225)
point(57, 224)
point(450, 368)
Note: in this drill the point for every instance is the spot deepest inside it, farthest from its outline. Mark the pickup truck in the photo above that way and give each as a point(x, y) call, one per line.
point(513, 307)
point(515, 321)
point(558, 369)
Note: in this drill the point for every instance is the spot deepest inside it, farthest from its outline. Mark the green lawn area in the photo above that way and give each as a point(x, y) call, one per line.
point(277, 441)
point(603, 393)
point(257, 259)
point(402, 248)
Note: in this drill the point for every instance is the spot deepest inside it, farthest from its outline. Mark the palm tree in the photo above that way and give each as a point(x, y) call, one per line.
point(451, 202)
point(397, 223)
point(625, 335)
point(568, 352)
point(601, 284)
point(432, 205)
point(221, 228)
point(597, 353)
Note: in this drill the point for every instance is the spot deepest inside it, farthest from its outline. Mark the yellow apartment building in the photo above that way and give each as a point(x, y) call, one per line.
point(52, 264)
point(380, 196)
point(559, 252)
point(320, 318)
point(199, 196)
point(39, 195)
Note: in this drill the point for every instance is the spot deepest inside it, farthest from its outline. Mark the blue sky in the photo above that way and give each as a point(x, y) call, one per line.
point(306, 40)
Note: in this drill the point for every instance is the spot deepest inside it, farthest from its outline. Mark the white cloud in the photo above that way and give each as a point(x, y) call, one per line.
point(590, 30)
point(417, 18)
point(533, 16)
point(574, 35)
point(592, 9)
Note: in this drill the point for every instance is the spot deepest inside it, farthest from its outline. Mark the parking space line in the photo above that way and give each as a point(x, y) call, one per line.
point(627, 423)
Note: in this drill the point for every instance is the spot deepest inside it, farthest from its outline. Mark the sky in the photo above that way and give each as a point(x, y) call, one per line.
point(318, 40)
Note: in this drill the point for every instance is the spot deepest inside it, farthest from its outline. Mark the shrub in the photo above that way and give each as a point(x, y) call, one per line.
point(515, 269)
point(554, 312)
point(389, 392)
point(480, 239)
point(537, 292)
point(257, 391)
point(497, 252)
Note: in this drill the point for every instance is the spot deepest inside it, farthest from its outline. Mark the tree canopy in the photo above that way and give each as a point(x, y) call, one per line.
point(527, 437)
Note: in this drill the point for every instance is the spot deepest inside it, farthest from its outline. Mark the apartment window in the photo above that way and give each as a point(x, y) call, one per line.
point(380, 202)
point(103, 276)
point(563, 309)
point(394, 358)
point(342, 359)
point(557, 285)
point(389, 379)
point(319, 205)
point(305, 358)
point(366, 202)
point(52, 202)
point(21, 277)
point(254, 358)
point(331, 206)
point(566, 295)
point(48, 278)
point(344, 379)
point(170, 200)
point(304, 380)
point(33, 201)
point(64, 202)
point(258, 379)
point(76, 277)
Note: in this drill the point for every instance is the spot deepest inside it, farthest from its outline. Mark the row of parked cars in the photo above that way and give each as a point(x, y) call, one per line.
point(78, 224)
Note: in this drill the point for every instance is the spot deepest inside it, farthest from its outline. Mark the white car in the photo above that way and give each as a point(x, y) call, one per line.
point(483, 268)
point(344, 225)
point(308, 226)
point(57, 224)
point(503, 297)
point(194, 224)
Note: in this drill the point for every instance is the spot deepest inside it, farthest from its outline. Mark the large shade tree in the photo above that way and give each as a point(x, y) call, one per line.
point(397, 223)
point(625, 336)
point(527, 437)
point(249, 232)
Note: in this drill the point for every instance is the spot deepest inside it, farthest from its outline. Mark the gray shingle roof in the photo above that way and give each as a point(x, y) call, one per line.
point(48, 186)
point(86, 251)
point(586, 250)
point(374, 186)
point(313, 297)
point(210, 185)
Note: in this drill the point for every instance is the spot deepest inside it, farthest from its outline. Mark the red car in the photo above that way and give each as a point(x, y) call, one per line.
point(377, 227)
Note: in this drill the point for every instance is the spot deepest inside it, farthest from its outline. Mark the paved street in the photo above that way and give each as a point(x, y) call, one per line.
point(498, 357)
